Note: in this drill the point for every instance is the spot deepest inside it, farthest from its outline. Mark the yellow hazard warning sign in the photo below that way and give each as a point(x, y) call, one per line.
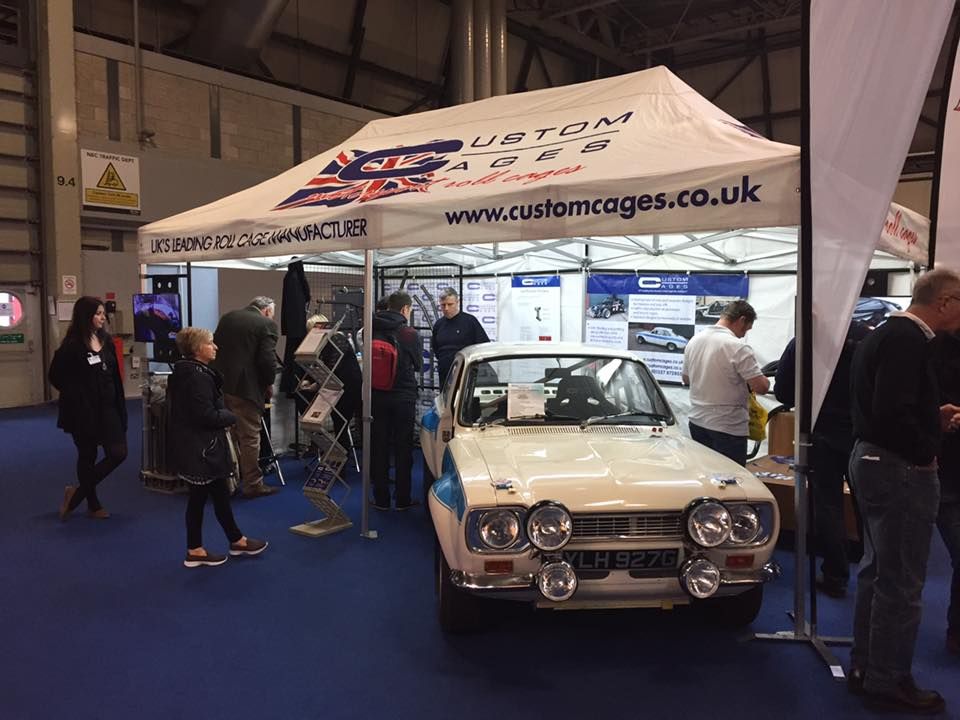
point(110, 180)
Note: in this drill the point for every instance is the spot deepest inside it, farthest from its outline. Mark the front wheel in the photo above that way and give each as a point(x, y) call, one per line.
point(457, 610)
point(733, 611)
point(640, 340)
point(428, 481)
point(606, 313)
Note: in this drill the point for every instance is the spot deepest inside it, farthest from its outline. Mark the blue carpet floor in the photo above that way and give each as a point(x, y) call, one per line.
point(99, 620)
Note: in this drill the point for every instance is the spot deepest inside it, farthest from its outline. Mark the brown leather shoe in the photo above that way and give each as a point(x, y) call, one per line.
point(100, 514)
point(68, 492)
point(906, 697)
point(259, 491)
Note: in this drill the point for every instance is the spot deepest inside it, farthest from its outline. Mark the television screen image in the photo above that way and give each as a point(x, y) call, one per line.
point(156, 317)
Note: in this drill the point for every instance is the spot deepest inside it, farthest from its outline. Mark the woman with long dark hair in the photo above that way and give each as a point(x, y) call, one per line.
point(86, 372)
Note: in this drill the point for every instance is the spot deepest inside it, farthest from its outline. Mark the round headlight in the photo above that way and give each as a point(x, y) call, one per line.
point(549, 526)
point(709, 524)
point(557, 581)
point(499, 529)
point(746, 524)
point(700, 577)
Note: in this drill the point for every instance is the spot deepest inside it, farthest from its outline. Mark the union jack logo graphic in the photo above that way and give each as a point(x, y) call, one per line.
point(361, 176)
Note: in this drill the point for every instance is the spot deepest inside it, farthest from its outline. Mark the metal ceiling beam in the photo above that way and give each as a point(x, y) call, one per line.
point(559, 31)
point(578, 8)
point(357, 33)
point(733, 76)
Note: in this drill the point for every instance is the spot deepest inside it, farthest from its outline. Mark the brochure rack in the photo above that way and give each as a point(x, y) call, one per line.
point(325, 471)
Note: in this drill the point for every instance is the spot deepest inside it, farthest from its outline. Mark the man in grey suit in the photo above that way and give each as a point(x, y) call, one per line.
point(246, 341)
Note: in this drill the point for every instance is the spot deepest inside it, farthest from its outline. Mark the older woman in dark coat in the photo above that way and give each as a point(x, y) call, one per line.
point(197, 446)
point(86, 373)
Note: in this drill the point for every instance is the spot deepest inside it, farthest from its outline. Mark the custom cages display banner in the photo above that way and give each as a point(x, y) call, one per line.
point(657, 314)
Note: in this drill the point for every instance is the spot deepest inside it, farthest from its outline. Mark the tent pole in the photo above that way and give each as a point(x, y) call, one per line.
point(804, 631)
point(367, 393)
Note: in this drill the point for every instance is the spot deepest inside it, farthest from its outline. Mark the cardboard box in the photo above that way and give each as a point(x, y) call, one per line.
point(780, 429)
point(776, 473)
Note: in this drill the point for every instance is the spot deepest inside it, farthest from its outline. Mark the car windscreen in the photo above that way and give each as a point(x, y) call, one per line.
point(575, 389)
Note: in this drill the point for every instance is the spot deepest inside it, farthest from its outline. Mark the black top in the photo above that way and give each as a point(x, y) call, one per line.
point(91, 391)
point(834, 426)
point(196, 440)
point(945, 349)
point(895, 397)
point(246, 355)
point(389, 323)
point(450, 335)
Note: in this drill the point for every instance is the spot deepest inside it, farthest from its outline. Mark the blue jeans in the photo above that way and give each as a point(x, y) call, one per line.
point(948, 522)
point(899, 503)
point(733, 446)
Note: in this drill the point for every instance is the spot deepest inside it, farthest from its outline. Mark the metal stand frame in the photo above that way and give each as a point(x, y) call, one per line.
point(324, 475)
point(273, 459)
point(805, 631)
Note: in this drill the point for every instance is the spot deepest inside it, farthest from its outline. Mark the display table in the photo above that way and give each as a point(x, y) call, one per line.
point(776, 472)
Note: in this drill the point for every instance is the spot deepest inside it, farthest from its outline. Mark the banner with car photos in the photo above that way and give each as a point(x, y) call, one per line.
point(657, 314)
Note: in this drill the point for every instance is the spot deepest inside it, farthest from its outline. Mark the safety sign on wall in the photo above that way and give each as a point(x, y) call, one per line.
point(110, 182)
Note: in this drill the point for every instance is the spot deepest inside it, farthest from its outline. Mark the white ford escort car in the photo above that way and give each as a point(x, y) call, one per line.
point(562, 479)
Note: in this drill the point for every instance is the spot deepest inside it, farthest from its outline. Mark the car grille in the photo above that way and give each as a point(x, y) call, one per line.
point(639, 526)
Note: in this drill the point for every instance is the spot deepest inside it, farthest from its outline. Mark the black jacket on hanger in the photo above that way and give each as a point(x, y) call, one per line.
point(293, 319)
point(293, 304)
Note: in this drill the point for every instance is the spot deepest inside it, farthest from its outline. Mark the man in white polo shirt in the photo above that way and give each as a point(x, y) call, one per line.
point(721, 370)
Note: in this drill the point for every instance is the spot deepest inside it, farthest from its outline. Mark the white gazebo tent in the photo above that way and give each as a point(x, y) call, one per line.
point(638, 154)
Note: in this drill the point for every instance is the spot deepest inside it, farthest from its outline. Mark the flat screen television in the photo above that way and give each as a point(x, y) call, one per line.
point(156, 317)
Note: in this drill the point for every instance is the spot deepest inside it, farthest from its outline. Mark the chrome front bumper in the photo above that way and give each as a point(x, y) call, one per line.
point(481, 582)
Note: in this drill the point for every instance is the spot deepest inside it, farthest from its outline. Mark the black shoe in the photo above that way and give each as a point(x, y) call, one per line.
point(906, 697)
point(832, 587)
point(379, 506)
point(211, 559)
point(406, 506)
point(252, 547)
point(260, 491)
point(855, 681)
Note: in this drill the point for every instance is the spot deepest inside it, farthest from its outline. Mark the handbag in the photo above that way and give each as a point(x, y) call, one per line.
point(757, 429)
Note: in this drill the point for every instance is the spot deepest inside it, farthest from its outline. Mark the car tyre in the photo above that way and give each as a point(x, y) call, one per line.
point(428, 481)
point(671, 346)
point(457, 610)
point(733, 611)
point(640, 340)
point(606, 313)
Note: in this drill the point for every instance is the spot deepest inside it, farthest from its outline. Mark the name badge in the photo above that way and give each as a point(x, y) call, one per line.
point(93, 359)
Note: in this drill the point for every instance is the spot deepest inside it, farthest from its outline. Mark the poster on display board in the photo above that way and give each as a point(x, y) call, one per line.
point(534, 310)
point(656, 315)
